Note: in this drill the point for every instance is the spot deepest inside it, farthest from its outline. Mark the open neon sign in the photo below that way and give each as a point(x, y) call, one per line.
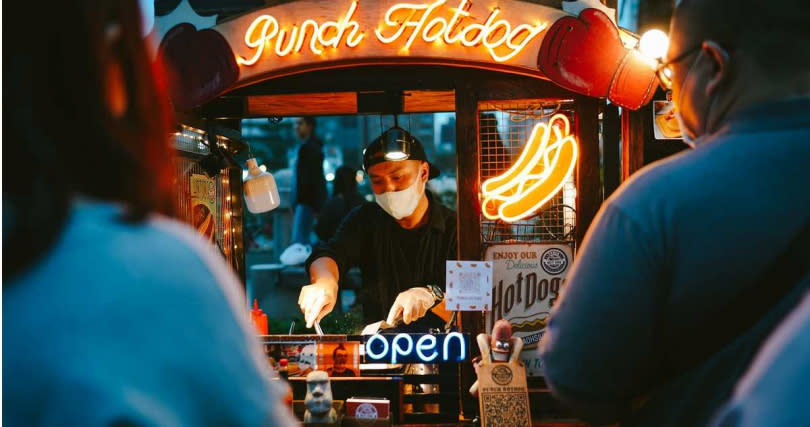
point(416, 348)
point(402, 25)
point(546, 162)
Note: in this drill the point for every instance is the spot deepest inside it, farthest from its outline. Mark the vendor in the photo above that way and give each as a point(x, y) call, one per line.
point(400, 243)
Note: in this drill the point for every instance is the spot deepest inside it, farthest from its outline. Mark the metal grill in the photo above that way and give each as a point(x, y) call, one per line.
point(504, 127)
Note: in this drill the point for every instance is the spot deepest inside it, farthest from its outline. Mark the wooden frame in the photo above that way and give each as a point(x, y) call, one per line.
point(430, 89)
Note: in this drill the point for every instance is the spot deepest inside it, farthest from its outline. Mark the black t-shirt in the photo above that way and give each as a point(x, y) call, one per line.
point(391, 258)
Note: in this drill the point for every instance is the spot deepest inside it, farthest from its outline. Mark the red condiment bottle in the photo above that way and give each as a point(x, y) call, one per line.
point(258, 318)
point(284, 374)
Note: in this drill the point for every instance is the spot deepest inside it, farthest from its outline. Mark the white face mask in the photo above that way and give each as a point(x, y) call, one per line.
point(400, 204)
point(690, 137)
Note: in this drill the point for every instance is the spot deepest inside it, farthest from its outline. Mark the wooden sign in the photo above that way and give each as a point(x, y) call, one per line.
point(580, 49)
point(317, 34)
point(503, 395)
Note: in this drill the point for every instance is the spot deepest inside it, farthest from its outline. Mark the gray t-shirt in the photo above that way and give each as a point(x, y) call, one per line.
point(678, 237)
point(123, 324)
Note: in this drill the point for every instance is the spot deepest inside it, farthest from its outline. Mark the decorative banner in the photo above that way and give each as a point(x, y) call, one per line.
point(527, 280)
point(337, 358)
point(468, 285)
point(586, 53)
point(203, 205)
point(547, 161)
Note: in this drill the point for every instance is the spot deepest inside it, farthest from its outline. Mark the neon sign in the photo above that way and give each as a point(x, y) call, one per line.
point(266, 29)
point(546, 162)
point(494, 34)
point(402, 25)
point(416, 348)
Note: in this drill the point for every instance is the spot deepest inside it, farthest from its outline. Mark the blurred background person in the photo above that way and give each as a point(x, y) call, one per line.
point(308, 191)
point(345, 197)
point(114, 314)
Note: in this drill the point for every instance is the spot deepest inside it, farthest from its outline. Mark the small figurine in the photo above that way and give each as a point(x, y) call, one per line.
point(319, 399)
point(500, 347)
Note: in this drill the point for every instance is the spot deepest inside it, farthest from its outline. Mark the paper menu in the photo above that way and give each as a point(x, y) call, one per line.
point(469, 285)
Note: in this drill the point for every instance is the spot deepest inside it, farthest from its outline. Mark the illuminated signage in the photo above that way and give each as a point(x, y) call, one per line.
point(495, 35)
point(577, 46)
point(403, 23)
point(323, 34)
point(546, 162)
point(416, 348)
point(266, 30)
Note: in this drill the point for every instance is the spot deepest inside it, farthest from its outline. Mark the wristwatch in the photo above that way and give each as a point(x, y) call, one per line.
point(437, 292)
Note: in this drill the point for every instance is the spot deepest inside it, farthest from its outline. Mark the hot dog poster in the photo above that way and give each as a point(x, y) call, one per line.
point(526, 281)
point(203, 205)
point(577, 46)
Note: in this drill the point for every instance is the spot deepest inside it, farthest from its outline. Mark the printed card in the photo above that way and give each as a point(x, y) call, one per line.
point(469, 285)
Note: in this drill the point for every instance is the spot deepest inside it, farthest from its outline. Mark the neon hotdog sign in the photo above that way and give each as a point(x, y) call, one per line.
point(546, 162)
point(401, 26)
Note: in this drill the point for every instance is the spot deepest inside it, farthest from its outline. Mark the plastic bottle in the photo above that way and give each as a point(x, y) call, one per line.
point(258, 318)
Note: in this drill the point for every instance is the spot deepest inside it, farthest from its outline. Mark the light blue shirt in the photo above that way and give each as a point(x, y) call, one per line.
point(774, 390)
point(137, 324)
point(677, 238)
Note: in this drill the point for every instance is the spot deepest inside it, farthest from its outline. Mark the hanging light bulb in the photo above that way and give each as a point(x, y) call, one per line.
point(397, 144)
point(261, 192)
point(654, 44)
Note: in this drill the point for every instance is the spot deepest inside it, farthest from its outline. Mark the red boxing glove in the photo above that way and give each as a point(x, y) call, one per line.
point(634, 83)
point(586, 55)
point(200, 65)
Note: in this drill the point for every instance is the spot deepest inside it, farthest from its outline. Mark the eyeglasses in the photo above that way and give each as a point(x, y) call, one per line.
point(664, 69)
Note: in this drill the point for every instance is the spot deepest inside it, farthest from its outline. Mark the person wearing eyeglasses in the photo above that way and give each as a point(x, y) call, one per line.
point(692, 262)
point(400, 243)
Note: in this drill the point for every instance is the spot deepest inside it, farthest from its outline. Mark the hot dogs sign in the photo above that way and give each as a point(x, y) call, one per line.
point(526, 282)
point(579, 48)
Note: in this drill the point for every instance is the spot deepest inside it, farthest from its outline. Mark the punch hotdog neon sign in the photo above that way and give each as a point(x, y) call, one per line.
point(546, 162)
point(401, 26)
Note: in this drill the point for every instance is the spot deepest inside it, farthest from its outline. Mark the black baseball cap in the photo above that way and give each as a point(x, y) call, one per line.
point(374, 152)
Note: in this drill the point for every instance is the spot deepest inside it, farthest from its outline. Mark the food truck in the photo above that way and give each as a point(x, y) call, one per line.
point(542, 94)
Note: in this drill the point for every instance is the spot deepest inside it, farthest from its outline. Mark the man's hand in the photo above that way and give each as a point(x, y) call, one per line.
point(411, 305)
point(317, 300)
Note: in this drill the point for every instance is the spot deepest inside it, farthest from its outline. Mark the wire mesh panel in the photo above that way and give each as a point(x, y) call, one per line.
point(504, 129)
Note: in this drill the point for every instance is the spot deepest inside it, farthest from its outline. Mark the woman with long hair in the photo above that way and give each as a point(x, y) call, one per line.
point(113, 313)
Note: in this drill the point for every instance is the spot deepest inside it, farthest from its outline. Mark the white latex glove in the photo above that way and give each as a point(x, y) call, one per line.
point(410, 305)
point(317, 300)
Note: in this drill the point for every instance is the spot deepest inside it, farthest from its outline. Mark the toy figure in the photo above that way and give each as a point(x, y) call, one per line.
point(319, 399)
point(500, 347)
